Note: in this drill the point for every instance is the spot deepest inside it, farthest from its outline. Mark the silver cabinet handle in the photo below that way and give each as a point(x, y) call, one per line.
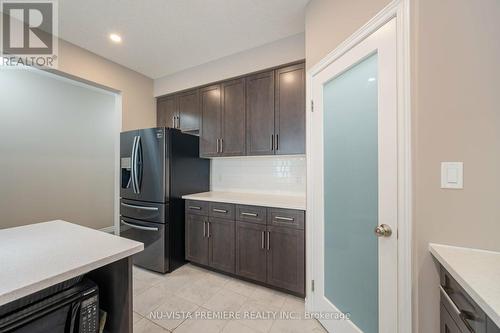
point(282, 218)
point(217, 146)
point(268, 240)
point(262, 240)
point(204, 229)
point(220, 210)
point(272, 141)
point(457, 311)
point(277, 141)
point(135, 226)
point(221, 145)
point(173, 121)
point(208, 229)
point(139, 207)
point(195, 207)
point(249, 214)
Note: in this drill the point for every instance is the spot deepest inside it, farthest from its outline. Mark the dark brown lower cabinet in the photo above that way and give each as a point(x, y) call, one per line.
point(259, 249)
point(286, 258)
point(196, 239)
point(459, 312)
point(221, 247)
point(251, 251)
point(447, 323)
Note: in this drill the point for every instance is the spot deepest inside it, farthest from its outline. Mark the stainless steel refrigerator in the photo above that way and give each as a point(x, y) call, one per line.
point(158, 166)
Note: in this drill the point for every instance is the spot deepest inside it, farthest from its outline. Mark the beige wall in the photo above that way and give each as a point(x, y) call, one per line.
point(139, 104)
point(268, 55)
point(456, 117)
point(330, 22)
point(63, 164)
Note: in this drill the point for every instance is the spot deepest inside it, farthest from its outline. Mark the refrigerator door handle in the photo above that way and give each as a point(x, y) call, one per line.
point(135, 226)
point(136, 165)
point(132, 165)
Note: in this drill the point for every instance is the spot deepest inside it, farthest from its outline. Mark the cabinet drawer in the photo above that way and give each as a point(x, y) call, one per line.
point(221, 210)
point(465, 312)
point(197, 207)
point(253, 214)
point(491, 326)
point(285, 218)
point(448, 325)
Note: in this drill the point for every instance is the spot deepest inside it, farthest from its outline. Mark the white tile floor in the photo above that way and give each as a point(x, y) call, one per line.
point(188, 299)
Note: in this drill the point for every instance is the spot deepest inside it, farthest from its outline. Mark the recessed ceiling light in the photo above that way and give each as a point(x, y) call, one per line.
point(115, 38)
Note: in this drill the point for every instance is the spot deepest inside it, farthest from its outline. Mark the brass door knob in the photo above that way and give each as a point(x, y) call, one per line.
point(383, 230)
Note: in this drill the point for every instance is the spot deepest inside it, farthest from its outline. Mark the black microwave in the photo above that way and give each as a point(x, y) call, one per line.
point(73, 309)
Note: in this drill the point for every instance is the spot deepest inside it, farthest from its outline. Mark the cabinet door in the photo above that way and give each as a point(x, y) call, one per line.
point(260, 114)
point(251, 251)
point(448, 325)
point(189, 111)
point(210, 105)
point(290, 110)
point(196, 239)
point(285, 258)
point(167, 111)
point(233, 118)
point(221, 244)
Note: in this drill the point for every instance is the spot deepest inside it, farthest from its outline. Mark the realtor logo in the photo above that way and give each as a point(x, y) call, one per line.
point(29, 33)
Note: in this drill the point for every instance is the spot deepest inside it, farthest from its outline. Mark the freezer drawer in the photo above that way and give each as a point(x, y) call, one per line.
point(153, 235)
point(147, 211)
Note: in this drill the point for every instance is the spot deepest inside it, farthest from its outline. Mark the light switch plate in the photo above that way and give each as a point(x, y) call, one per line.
point(452, 175)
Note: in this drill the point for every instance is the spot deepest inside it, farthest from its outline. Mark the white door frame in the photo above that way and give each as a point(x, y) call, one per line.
point(398, 9)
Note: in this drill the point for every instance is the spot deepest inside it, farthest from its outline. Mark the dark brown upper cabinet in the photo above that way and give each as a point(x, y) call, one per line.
point(256, 114)
point(223, 124)
point(276, 112)
point(232, 142)
point(189, 111)
point(211, 113)
point(167, 112)
point(290, 110)
point(260, 114)
point(179, 111)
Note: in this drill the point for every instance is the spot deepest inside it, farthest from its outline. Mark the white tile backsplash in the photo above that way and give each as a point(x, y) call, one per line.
point(267, 174)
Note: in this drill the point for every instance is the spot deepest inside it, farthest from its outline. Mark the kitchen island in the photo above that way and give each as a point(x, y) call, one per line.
point(38, 256)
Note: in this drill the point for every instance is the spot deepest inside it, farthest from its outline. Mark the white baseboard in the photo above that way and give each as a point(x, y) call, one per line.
point(109, 230)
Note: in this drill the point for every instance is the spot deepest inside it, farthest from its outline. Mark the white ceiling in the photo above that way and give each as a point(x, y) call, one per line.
point(161, 37)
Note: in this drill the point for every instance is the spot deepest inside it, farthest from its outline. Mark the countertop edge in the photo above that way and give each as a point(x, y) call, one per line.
point(58, 278)
point(488, 310)
point(244, 202)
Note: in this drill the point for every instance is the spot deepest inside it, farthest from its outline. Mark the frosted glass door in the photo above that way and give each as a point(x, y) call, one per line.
point(351, 193)
point(352, 209)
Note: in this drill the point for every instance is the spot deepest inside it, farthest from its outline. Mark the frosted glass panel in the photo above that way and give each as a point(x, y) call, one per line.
point(351, 193)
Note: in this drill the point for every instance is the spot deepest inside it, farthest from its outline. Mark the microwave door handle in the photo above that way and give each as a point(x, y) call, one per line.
point(75, 310)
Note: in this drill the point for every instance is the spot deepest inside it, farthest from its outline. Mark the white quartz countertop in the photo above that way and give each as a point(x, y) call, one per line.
point(252, 199)
point(37, 256)
point(477, 271)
